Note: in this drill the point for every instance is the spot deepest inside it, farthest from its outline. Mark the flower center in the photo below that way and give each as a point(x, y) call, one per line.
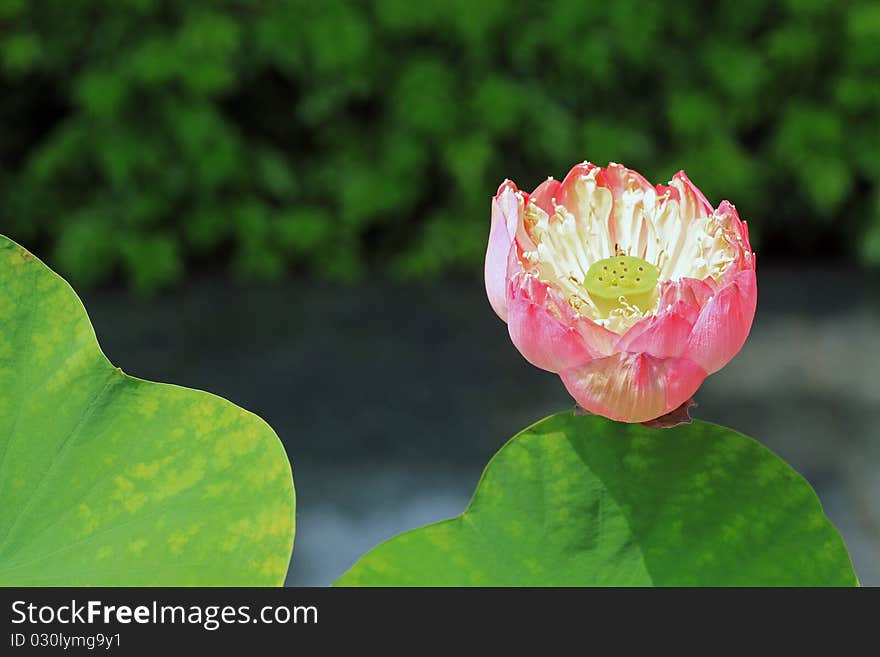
point(621, 281)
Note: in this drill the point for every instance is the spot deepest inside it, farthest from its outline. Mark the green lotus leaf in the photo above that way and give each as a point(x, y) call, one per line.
point(584, 501)
point(108, 480)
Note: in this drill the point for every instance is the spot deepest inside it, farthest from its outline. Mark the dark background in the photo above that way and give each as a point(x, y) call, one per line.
point(287, 203)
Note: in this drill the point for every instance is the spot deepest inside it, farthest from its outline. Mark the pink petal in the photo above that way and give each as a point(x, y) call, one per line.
point(600, 202)
point(633, 387)
point(506, 210)
point(567, 190)
point(739, 232)
point(686, 310)
point(600, 341)
point(730, 217)
point(639, 327)
point(619, 179)
point(544, 194)
point(540, 328)
point(690, 290)
point(693, 201)
point(664, 336)
point(724, 323)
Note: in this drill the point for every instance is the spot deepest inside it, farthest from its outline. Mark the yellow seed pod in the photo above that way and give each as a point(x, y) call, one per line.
point(624, 276)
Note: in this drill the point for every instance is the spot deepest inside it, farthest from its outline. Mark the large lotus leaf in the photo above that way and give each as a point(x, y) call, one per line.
point(110, 480)
point(583, 501)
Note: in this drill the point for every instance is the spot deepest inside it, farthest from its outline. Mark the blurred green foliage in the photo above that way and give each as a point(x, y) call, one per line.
point(150, 137)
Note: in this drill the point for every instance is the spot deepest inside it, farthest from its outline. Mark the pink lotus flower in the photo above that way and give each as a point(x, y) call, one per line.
point(632, 293)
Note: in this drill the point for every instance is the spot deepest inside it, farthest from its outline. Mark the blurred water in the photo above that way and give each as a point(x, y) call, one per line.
point(391, 398)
